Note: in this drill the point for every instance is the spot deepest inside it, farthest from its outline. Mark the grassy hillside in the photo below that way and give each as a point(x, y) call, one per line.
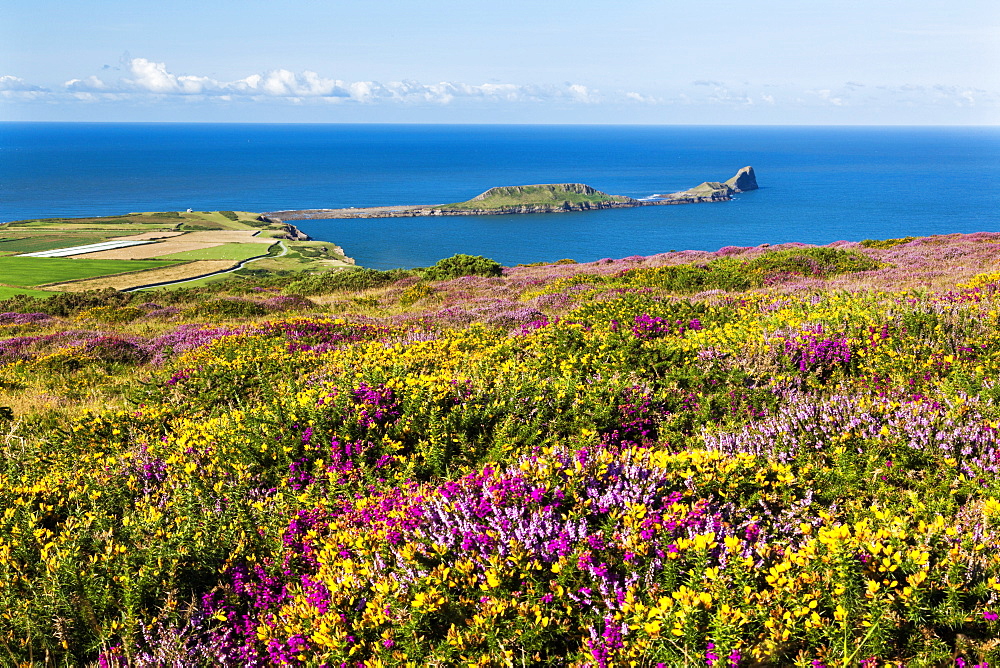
point(196, 236)
point(779, 456)
point(554, 194)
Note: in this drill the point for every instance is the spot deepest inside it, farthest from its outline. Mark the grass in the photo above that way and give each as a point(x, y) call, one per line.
point(223, 252)
point(140, 221)
point(537, 195)
point(32, 271)
point(6, 292)
point(123, 225)
point(243, 219)
point(196, 283)
point(46, 242)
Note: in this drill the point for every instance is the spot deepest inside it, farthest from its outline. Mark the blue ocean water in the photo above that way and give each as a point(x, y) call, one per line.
point(818, 184)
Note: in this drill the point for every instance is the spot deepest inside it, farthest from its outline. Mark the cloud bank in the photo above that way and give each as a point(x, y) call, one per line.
point(144, 80)
point(143, 77)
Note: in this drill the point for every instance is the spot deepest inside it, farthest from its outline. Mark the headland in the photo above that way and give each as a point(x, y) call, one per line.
point(539, 198)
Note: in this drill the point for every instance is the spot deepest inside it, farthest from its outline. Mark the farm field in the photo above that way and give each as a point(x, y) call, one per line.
point(13, 244)
point(203, 240)
point(178, 271)
point(228, 251)
point(780, 456)
point(33, 271)
point(168, 220)
point(7, 292)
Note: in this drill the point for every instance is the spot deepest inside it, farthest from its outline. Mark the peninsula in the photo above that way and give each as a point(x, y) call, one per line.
point(541, 198)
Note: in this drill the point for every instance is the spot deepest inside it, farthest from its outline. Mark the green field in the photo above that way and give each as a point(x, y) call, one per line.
point(31, 271)
point(132, 221)
point(122, 225)
point(215, 220)
point(6, 292)
point(549, 194)
point(236, 251)
point(49, 241)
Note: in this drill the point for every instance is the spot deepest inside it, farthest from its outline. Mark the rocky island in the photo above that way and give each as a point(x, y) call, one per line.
point(541, 198)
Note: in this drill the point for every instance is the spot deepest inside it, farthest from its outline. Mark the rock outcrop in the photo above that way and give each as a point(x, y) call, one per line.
point(744, 180)
point(713, 191)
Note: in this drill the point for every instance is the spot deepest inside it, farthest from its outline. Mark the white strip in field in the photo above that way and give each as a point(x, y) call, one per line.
point(83, 250)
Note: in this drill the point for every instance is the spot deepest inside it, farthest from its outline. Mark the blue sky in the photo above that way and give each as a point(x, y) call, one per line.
point(666, 61)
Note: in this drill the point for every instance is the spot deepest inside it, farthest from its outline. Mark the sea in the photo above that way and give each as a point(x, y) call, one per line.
point(817, 184)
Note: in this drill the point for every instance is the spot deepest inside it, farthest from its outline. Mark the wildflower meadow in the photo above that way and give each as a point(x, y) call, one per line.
point(777, 456)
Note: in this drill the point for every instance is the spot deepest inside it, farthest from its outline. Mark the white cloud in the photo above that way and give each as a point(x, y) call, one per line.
point(89, 85)
point(828, 96)
point(152, 77)
point(582, 94)
point(642, 99)
point(16, 88)
point(10, 83)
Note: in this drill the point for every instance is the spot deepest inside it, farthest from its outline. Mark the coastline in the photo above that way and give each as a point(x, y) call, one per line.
point(278, 217)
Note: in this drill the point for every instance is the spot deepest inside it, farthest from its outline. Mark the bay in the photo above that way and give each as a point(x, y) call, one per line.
point(818, 184)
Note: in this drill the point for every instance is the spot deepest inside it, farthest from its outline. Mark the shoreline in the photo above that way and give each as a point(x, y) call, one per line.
point(427, 211)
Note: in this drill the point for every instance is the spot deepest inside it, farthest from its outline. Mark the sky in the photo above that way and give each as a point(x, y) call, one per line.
point(785, 62)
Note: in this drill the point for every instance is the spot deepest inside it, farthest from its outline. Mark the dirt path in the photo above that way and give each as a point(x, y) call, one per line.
point(284, 251)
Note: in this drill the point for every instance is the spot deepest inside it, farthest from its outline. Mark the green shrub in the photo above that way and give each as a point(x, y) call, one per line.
point(462, 265)
point(227, 308)
point(415, 293)
point(231, 215)
point(66, 303)
point(738, 273)
point(816, 262)
point(885, 243)
point(726, 273)
point(112, 314)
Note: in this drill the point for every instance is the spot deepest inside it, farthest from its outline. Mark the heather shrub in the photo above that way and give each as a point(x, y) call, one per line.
point(730, 272)
point(738, 478)
point(226, 308)
point(115, 350)
point(280, 303)
point(65, 304)
point(15, 318)
point(345, 280)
